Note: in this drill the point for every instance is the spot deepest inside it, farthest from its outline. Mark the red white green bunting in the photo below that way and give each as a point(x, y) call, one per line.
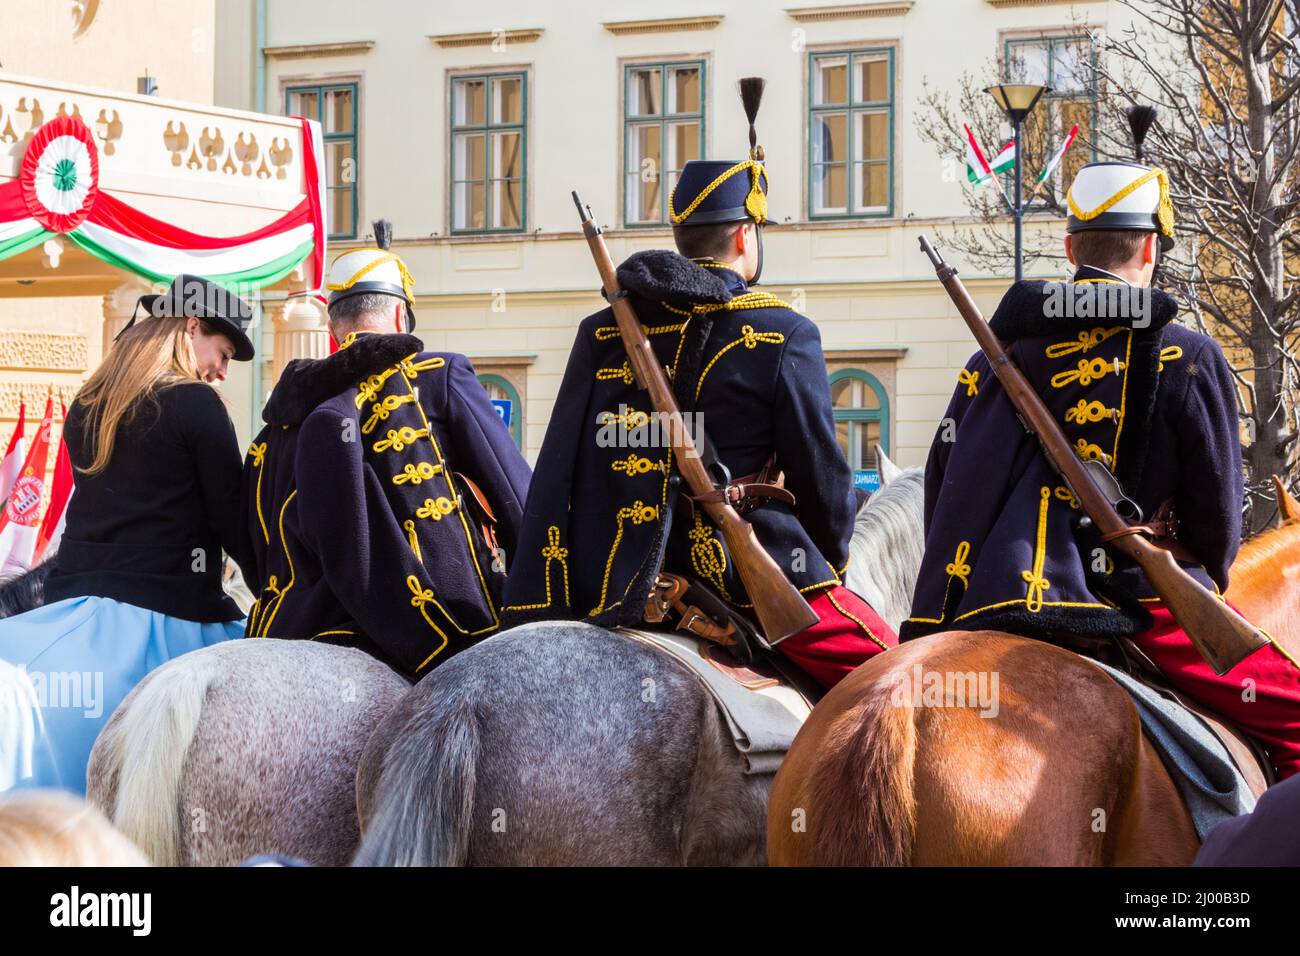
point(57, 193)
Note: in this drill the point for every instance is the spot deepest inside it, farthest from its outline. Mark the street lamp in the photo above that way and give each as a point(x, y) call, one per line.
point(1017, 100)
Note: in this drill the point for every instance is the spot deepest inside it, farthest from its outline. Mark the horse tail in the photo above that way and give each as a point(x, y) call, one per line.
point(135, 768)
point(867, 791)
point(424, 800)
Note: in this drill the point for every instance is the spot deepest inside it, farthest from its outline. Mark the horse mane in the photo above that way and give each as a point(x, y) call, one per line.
point(1267, 547)
point(25, 591)
point(887, 545)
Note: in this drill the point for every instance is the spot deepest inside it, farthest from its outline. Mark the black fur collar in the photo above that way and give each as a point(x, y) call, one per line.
point(305, 383)
point(659, 274)
point(1034, 308)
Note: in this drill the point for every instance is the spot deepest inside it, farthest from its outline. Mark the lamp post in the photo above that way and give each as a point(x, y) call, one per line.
point(1018, 100)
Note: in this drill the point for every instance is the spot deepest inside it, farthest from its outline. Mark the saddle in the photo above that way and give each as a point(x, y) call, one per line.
point(1124, 655)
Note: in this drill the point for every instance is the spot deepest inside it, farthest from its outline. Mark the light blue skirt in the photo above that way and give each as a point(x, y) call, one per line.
point(72, 663)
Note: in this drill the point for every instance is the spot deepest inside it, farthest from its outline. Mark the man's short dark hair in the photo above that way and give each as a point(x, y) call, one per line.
point(350, 314)
point(1107, 249)
point(706, 242)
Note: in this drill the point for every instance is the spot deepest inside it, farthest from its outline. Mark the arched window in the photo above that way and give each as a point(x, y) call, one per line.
point(861, 422)
point(506, 401)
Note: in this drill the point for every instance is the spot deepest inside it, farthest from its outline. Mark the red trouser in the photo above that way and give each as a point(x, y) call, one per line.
point(847, 633)
point(1261, 695)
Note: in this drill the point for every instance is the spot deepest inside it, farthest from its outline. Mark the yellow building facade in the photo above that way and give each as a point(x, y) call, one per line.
point(467, 125)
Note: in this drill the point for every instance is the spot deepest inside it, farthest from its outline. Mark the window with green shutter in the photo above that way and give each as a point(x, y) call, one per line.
point(335, 107)
point(851, 134)
point(489, 152)
point(663, 129)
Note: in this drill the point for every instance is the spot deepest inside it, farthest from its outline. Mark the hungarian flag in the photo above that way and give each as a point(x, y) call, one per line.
point(21, 519)
point(14, 455)
point(1058, 155)
point(978, 169)
point(1005, 161)
point(47, 540)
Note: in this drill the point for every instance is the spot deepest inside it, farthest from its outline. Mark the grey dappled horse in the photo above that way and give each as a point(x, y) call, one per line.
point(541, 745)
point(241, 748)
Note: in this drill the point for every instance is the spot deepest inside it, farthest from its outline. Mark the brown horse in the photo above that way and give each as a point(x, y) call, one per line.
point(1062, 776)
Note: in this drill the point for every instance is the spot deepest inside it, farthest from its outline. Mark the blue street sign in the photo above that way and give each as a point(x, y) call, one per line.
point(504, 407)
point(868, 479)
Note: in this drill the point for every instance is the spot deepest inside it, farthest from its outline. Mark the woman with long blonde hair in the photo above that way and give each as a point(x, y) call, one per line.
point(137, 577)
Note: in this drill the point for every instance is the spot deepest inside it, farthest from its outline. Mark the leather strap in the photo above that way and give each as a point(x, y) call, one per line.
point(668, 594)
point(488, 519)
point(1162, 529)
point(747, 493)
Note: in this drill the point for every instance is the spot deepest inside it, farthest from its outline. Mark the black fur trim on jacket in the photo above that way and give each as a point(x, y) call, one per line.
point(1144, 375)
point(1048, 624)
point(659, 274)
point(1023, 313)
point(305, 383)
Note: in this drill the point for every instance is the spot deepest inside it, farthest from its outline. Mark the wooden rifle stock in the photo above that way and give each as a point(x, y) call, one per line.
point(1221, 635)
point(780, 608)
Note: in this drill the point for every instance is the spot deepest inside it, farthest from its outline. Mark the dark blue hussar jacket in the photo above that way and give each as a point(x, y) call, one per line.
point(363, 527)
point(1155, 402)
point(600, 516)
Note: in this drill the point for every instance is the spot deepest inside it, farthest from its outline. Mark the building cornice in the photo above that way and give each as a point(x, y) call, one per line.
point(501, 358)
point(849, 352)
point(850, 11)
point(1006, 4)
point(669, 25)
point(303, 51)
point(487, 37)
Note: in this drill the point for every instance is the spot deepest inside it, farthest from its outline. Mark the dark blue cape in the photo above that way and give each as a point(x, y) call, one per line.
point(600, 516)
point(359, 517)
point(1157, 404)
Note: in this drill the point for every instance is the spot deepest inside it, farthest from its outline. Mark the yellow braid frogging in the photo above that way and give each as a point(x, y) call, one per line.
point(959, 568)
point(1034, 577)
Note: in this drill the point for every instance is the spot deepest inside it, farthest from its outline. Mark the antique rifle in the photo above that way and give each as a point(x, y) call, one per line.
point(780, 608)
point(1221, 635)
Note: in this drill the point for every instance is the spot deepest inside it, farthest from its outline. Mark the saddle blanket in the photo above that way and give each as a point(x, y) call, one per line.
point(762, 721)
point(1205, 773)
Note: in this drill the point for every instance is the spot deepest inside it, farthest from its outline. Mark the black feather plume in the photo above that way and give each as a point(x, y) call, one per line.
point(1140, 120)
point(751, 94)
point(383, 233)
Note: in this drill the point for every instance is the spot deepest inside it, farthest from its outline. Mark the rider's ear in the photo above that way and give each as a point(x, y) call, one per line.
point(1069, 251)
point(741, 242)
point(1149, 248)
point(399, 316)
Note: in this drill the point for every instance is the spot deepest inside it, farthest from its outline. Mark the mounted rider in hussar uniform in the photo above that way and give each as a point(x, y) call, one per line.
point(384, 494)
point(607, 512)
point(1007, 546)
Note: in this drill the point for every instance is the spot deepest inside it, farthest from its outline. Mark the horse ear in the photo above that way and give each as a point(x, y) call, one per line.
point(1288, 509)
point(888, 470)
